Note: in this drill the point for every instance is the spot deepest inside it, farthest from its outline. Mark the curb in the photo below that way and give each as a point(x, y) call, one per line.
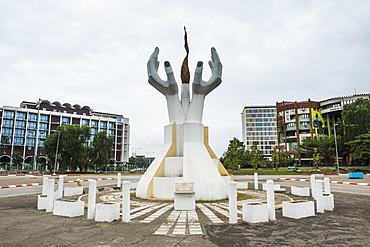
point(38, 175)
point(36, 184)
point(333, 182)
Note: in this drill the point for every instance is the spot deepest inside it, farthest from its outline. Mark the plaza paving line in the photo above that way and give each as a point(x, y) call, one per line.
point(180, 226)
point(209, 214)
point(157, 214)
point(147, 210)
point(193, 223)
point(166, 226)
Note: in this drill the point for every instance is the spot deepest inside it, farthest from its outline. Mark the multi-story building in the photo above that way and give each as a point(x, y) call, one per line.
point(308, 119)
point(259, 128)
point(24, 129)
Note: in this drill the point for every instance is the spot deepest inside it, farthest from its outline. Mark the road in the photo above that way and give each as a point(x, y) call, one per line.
point(19, 191)
point(345, 188)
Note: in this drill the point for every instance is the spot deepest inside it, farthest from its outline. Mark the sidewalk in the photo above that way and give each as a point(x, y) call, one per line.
point(22, 224)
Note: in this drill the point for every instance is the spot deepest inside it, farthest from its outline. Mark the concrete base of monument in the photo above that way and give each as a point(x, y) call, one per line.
point(185, 156)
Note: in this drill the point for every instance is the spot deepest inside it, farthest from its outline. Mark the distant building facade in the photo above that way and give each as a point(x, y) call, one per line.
point(308, 119)
point(24, 129)
point(259, 128)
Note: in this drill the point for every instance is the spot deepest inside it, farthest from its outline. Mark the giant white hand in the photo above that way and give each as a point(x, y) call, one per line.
point(205, 87)
point(167, 88)
point(202, 88)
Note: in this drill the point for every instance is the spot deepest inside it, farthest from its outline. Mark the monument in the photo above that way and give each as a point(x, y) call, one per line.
point(186, 156)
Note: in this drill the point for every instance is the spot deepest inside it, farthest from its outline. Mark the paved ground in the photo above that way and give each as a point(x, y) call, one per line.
point(21, 224)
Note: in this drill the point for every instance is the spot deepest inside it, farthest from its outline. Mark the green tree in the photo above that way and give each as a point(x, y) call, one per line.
point(360, 148)
point(256, 157)
point(235, 155)
point(73, 151)
point(321, 149)
point(355, 119)
point(17, 159)
point(101, 149)
point(278, 158)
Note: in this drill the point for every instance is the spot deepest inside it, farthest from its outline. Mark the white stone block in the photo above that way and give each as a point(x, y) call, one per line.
point(72, 191)
point(276, 187)
point(41, 202)
point(161, 187)
point(242, 185)
point(255, 212)
point(328, 202)
point(300, 191)
point(107, 212)
point(184, 196)
point(173, 167)
point(68, 208)
point(298, 209)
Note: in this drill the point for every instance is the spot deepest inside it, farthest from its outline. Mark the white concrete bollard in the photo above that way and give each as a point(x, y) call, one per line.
point(60, 187)
point(256, 181)
point(119, 180)
point(233, 215)
point(45, 185)
point(50, 196)
point(319, 197)
point(91, 200)
point(270, 199)
point(327, 189)
point(126, 201)
point(313, 186)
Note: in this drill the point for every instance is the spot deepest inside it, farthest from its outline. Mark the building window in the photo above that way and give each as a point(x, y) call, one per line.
point(21, 115)
point(31, 133)
point(7, 132)
point(18, 141)
point(103, 124)
point(65, 120)
point(55, 110)
point(111, 132)
point(20, 124)
point(304, 124)
point(291, 124)
point(19, 132)
point(42, 134)
point(41, 143)
point(32, 117)
point(111, 125)
point(30, 142)
point(8, 123)
point(94, 123)
point(8, 114)
point(6, 140)
point(94, 130)
point(85, 122)
point(44, 118)
point(305, 116)
point(43, 126)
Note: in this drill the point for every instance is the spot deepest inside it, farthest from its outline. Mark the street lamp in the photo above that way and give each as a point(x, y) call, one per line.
point(336, 148)
point(135, 156)
point(34, 167)
point(56, 153)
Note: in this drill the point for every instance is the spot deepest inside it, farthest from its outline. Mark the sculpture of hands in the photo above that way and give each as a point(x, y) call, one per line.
point(180, 112)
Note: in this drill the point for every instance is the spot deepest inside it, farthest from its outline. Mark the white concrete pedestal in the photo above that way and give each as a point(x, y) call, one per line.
point(255, 212)
point(328, 202)
point(184, 196)
point(300, 191)
point(72, 191)
point(298, 209)
point(41, 202)
point(107, 212)
point(68, 208)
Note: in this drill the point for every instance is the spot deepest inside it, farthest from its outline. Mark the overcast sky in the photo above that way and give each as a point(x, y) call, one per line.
point(95, 53)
